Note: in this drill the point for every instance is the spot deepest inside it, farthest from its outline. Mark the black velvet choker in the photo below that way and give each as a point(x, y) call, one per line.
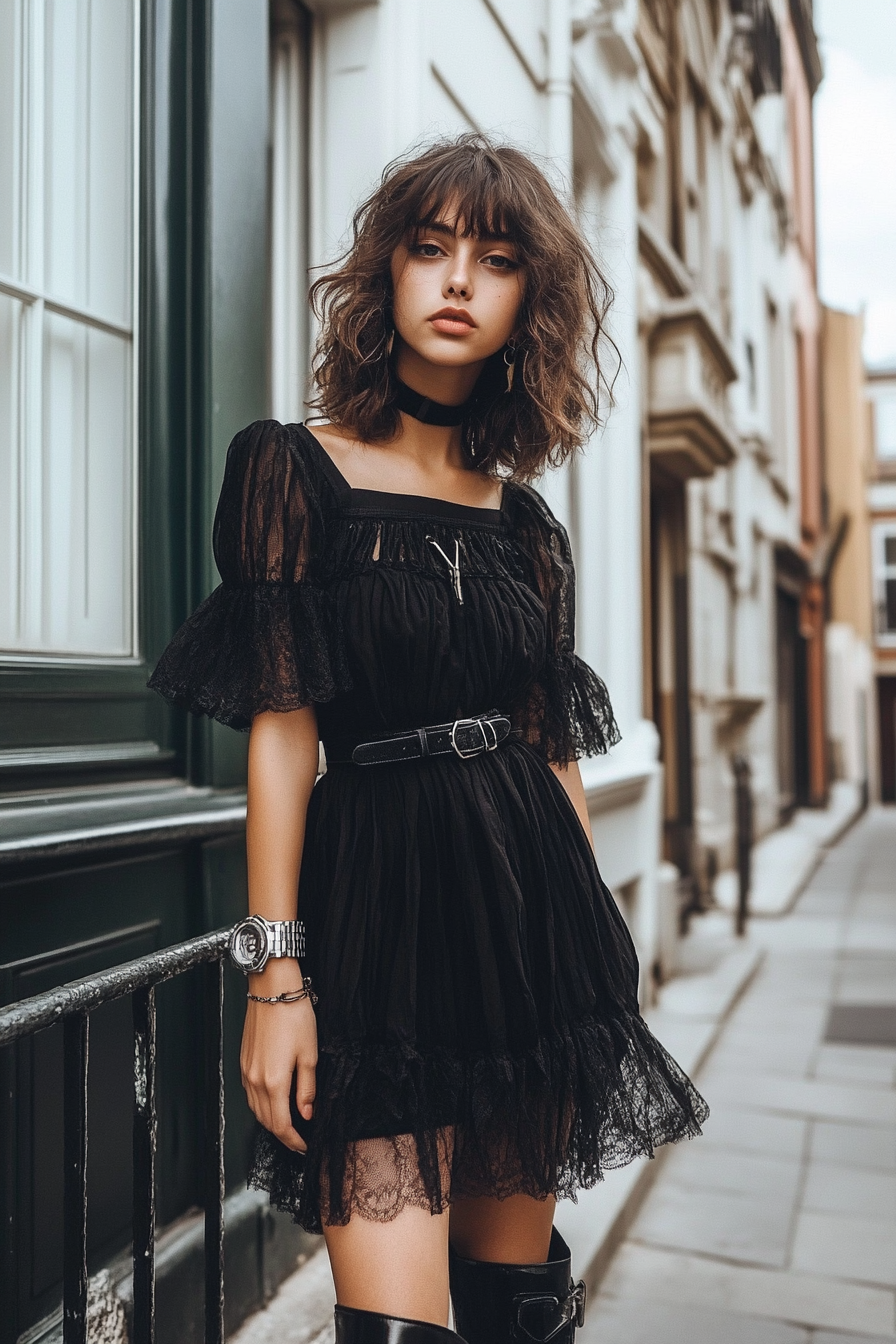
point(425, 409)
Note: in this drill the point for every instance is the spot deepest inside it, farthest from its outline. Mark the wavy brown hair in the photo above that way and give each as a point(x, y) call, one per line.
point(496, 191)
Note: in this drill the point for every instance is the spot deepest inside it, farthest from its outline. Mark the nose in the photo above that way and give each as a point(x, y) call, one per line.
point(458, 282)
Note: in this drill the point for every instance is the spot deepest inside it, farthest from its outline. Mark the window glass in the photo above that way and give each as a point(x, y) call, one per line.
point(67, 266)
point(885, 424)
point(885, 563)
point(9, 108)
point(890, 598)
point(88, 148)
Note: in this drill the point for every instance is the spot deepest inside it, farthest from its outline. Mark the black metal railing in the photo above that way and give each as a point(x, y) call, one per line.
point(72, 1005)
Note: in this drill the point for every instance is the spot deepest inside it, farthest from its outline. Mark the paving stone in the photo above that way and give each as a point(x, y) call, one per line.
point(645, 1273)
point(871, 1146)
point(710, 1166)
point(848, 1066)
point(846, 1246)
point(834, 1337)
point(874, 1056)
point(751, 1229)
point(831, 1188)
point(873, 935)
point(804, 1096)
point(787, 1059)
point(611, 1322)
point(755, 1131)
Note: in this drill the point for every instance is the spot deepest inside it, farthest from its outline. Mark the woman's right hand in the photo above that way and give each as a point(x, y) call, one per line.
point(279, 1039)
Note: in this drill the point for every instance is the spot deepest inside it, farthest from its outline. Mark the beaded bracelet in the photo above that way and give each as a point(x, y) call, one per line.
point(291, 996)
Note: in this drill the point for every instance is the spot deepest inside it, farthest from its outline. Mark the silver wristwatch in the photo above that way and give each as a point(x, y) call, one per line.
point(255, 940)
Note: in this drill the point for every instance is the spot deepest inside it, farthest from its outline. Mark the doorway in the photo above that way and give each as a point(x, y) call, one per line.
point(886, 708)
point(793, 719)
point(671, 676)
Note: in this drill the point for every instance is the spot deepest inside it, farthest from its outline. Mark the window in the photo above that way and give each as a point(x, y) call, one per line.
point(885, 581)
point(289, 210)
point(885, 424)
point(67, 323)
point(777, 387)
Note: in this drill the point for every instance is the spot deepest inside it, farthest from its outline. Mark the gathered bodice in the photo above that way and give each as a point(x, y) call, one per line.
point(387, 611)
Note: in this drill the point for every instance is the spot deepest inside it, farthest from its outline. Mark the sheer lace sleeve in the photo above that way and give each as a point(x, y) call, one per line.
point(566, 712)
point(268, 637)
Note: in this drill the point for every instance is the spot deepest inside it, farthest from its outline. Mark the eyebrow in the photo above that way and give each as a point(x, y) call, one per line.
point(447, 231)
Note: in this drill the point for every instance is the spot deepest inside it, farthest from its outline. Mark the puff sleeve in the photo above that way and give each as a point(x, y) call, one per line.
point(268, 637)
point(566, 712)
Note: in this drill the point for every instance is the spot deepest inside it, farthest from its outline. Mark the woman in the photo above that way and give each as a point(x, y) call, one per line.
point(462, 1044)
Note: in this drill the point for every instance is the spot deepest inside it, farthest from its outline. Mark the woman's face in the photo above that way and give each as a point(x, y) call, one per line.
point(456, 300)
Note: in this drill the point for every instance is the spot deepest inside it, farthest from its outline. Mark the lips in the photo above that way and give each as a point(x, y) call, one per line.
point(452, 320)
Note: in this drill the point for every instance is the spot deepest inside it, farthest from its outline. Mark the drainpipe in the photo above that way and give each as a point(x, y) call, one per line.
point(559, 86)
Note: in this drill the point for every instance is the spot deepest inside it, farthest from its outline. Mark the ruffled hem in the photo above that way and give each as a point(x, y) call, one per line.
point(585, 1099)
point(245, 650)
point(586, 726)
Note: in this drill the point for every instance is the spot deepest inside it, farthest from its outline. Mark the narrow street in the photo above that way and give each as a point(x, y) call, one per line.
point(779, 1225)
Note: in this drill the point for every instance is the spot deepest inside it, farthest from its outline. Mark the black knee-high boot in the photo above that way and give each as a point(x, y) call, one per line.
point(354, 1326)
point(517, 1304)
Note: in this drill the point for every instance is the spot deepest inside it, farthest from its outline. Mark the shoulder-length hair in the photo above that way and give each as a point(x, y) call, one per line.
point(493, 190)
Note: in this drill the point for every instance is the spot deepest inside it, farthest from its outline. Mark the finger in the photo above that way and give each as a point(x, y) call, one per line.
point(281, 1124)
point(306, 1090)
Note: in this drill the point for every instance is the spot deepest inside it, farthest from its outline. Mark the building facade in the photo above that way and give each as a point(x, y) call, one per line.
point(728, 352)
point(170, 171)
point(881, 409)
point(851, 692)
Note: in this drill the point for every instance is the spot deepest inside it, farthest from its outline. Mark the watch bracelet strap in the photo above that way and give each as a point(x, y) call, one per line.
point(287, 938)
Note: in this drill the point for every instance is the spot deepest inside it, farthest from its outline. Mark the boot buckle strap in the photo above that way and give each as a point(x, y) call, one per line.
point(541, 1317)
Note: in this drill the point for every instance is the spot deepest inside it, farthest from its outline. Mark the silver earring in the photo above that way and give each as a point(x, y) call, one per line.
point(510, 361)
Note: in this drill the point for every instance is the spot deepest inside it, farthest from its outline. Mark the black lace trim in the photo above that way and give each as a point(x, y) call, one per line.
point(267, 646)
point(587, 1098)
point(567, 713)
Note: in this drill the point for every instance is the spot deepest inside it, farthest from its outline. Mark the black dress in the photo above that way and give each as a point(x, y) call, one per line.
point(478, 1022)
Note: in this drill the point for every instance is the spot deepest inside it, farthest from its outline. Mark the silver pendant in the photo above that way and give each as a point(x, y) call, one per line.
point(453, 565)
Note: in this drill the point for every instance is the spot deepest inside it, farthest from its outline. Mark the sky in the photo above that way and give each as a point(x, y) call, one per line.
point(855, 165)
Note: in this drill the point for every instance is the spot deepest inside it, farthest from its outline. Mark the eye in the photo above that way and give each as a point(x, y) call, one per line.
point(499, 262)
point(426, 249)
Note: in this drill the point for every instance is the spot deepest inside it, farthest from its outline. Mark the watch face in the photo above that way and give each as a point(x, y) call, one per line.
point(248, 946)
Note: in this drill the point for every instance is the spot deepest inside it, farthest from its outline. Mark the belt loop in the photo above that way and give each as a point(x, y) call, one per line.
point(424, 741)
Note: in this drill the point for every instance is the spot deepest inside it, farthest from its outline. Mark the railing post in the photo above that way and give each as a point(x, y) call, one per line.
point(743, 795)
point(213, 1030)
point(144, 1139)
point(74, 1108)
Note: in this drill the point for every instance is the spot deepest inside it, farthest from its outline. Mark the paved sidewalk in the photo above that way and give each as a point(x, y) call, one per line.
point(778, 1226)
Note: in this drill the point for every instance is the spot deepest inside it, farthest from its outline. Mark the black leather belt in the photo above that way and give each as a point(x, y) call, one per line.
point(463, 737)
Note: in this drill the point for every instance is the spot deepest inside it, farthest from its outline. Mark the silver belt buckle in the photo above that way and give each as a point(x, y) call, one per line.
point(478, 749)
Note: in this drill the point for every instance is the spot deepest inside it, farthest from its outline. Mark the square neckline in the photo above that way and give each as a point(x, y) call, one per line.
point(360, 499)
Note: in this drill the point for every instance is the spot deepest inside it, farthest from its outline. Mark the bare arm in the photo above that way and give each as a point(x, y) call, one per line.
point(279, 1038)
point(571, 779)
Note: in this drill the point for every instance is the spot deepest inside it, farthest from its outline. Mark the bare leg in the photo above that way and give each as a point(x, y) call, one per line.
point(399, 1268)
point(394, 1265)
point(513, 1231)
